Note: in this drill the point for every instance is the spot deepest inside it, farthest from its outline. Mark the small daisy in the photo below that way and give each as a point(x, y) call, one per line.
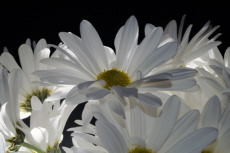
point(47, 122)
point(10, 122)
point(95, 71)
point(30, 62)
point(140, 132)
point(213, 116)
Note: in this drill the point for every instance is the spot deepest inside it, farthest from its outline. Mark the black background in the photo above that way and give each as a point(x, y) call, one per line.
point(42, 20)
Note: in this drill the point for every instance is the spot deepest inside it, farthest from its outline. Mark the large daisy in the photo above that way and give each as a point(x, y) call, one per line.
point(30, 62)
point(94, 71)
point(214, 116)
point(141, 132)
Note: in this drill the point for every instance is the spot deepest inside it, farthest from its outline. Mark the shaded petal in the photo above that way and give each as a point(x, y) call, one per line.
point(2, 143)
point(211, 113)
point(74, 96)
point(149, 99)
point(8, 61)
point(148, 28)
point(195, 142)
point(126, 92)
point(182, 128)
point(96, 93)
point(171, 29)
point(164, 125)
point(110, 137)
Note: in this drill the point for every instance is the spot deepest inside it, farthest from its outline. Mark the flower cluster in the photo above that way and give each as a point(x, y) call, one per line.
point(168, 93)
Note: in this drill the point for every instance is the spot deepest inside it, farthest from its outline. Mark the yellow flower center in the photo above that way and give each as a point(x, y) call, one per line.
point(114, 77)
point(42, 94)
point(206, 151)
point(140, 150)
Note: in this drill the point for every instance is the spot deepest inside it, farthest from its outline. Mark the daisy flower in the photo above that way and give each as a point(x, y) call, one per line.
point(10, 122)
point(213, 116)
point(140, 132)
point(95, 71)
point(194, 52)
point(30, 62)
point(47, 122)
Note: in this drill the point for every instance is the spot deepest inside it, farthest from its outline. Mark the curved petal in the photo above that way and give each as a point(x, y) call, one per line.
point(211, 113)
point(94, 44)
point(195, 142)
point(110, 137)
point(127, 40)
point(149, 99)
point(165, 123)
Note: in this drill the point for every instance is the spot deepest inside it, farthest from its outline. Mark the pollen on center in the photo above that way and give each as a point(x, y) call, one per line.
point(42, 94)
point(114, 77)
point(140, 150)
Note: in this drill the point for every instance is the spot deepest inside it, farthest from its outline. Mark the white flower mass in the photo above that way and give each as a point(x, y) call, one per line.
point(166, 93)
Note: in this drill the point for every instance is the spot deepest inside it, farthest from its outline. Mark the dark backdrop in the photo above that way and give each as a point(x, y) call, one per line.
point(41, 20)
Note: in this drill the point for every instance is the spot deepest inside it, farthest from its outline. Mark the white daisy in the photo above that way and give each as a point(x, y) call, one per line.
point(192, 52)
point(95, 71)
point(47, 122)
point(141, 132)
point(30, 62)
point(213, 116)
point(10, 122)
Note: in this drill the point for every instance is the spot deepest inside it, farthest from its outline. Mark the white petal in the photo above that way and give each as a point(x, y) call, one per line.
point(145, 49)
point(93, 43)
point(149, 99)
point(197, 53)
point(96, 93)
point(110, 137)
point(223, 144)
point(182, 128)
point(111, 56)
point(195, 142)
point(164, 125)
point(148, 28)
point(75, 97)
point(171, 29)
point(78, 48)
point(227, 57)
point(36, 104)
point(224, 122)
point(211, 113)
point(40, 135)
point(126, 92)
point(159, 56)
point(27, 60)
point(8, 61)
point(128, 39)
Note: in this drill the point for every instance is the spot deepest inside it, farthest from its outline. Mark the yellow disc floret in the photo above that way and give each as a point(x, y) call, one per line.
point(140, 150)
point(42, 94)
point(114, 77)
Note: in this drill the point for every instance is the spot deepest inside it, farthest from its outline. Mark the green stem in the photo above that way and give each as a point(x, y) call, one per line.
point(29, 146)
